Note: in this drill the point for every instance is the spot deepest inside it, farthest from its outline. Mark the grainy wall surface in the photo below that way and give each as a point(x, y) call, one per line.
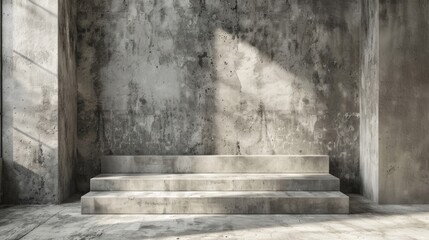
point(219, 77)
point(30, 101)
point(369, 95)
point(67, 96)
point(404, 101)
point(215, 77)
point(39, 100)
point(1, 160)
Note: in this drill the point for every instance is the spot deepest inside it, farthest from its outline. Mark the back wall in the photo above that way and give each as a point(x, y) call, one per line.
point(176, 77)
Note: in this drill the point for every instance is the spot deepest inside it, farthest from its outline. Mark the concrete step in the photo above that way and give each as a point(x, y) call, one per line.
point(216, 164)
point(234, 202)
point(215, 182)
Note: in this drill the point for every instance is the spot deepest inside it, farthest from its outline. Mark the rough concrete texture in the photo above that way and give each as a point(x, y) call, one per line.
point(215, 202)
point(219, 77)
point(215, 182)
point(1, 175)
point(30, 101)
point(404, 99)
point(219, 198)
point(394, 87)
point(39, 95)
point(67, 96)
point(366, 221)
point(369, 99)
point(215, 164)
point(1, 67)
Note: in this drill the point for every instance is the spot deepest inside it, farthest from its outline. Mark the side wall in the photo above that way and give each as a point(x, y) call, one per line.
point(39, 100)
point(404, 101)
point(30, 101)
point(219, 77)
point(369, 100)
point(67, 96)
point(1, 107)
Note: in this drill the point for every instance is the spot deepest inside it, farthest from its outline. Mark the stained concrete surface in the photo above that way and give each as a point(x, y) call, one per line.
point(215, 182)
point(367, 221)
point(210, 77)
point(394, 100)
point(404, 100)
point(215, 164)
point(195, 77)
point(1, 175)
point(218, 201)
point(67, 97)
point(215, 202)
point(39, 100)
point(30, 101)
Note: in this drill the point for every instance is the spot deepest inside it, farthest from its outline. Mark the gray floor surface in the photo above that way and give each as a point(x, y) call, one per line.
point(366, 221)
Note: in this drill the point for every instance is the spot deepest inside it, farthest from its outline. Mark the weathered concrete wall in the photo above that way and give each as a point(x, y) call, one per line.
point(1, 177)
point(1, 160)
point(67, 96)
point(37, 87)
point(369, 100)
point(394, 100)
point(219, 77)
point(7, 29)
point(30, 101)
point(404, 101)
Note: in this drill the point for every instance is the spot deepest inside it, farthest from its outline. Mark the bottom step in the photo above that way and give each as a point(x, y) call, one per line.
point(260, 202)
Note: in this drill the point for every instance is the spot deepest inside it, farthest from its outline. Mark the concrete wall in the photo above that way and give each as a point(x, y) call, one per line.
point(1, 69)
point(215, 77)
point(394, 100)
point(30, 117)
point(219, 77)
point(369, 99)
point(1, 177)
point(404, 101)
point(34, 128)
point(67, 96)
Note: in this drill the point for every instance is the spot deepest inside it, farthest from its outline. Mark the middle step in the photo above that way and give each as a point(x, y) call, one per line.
point(216, 182)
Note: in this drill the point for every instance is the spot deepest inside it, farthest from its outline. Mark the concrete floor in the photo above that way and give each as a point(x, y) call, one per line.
point(367, 221)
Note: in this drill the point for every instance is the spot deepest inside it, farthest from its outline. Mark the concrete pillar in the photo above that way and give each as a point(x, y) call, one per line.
point(394, 137)
point(369, 98)
point(39, 100)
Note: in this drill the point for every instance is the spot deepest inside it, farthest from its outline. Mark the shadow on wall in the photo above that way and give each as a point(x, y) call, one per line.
point(31, 178)
point(219, 77)
point(30, 169)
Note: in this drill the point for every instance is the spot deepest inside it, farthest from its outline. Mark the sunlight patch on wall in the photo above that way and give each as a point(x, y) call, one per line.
point(261, 107)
